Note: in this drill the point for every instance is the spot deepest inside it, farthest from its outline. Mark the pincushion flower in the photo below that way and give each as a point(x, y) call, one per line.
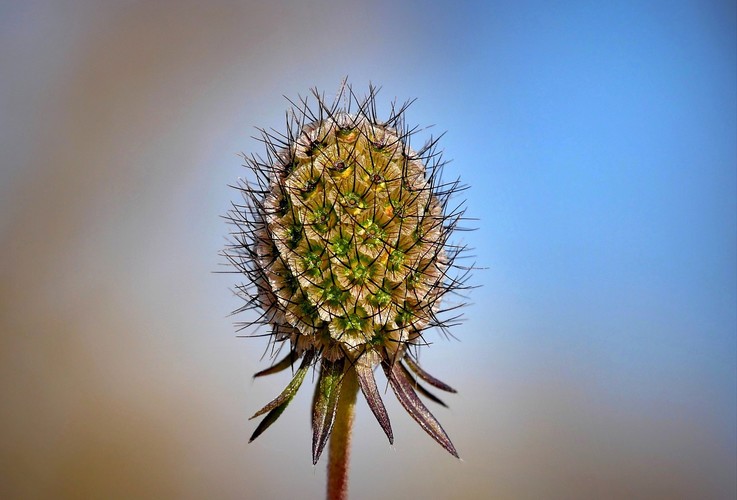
point(344, 240)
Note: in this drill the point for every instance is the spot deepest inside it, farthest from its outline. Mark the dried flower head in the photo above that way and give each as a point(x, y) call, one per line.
point(344, 240)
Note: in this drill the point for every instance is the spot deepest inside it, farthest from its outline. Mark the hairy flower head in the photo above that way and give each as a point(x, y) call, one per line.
point(344, 240)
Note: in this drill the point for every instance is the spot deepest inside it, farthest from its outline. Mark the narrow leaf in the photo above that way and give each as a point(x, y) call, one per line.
point(367, 382)
point(324, 405)
point(426, 376)
point(429, 395)
point(268, 420)
point(281, 365)
point(408, 398)
point(288, 393)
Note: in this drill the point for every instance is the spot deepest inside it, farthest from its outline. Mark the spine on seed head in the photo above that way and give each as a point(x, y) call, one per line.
point(344, 235)
point(344, 238)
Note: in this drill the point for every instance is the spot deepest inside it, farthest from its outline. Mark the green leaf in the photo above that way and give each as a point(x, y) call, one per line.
point(268, 420)
point(278, 405)
point(324, 404)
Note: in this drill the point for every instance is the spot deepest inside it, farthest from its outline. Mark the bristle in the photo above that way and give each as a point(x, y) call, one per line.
point(344, 240)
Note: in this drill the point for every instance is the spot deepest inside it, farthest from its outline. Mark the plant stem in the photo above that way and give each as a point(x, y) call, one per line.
point(340, 439)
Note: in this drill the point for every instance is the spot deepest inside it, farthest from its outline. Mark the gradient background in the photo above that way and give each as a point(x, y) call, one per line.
point(599, 358)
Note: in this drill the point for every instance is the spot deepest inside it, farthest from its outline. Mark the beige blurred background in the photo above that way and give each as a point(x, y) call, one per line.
point(120, 372)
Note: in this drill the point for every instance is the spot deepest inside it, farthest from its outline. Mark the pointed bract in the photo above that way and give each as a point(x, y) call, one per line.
point(290, 390)
point(429, 395)
point(268, 420)
point(426, 376)
point(324, 405)
point(409, 400)
point(279, 366)
point(367, 382)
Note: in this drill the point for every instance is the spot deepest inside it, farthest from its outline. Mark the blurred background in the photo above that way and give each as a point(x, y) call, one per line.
point(599, 139)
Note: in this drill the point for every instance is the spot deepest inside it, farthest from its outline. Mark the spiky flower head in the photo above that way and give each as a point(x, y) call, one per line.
point(344, 240)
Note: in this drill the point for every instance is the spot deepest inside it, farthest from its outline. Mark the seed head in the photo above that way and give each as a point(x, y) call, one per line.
point(344, 240)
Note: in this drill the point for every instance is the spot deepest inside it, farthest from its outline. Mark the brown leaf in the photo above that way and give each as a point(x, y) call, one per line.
point(429, 395)
point(402, 387)
point(281, 365)
point(367, 382)
point(426, 376)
